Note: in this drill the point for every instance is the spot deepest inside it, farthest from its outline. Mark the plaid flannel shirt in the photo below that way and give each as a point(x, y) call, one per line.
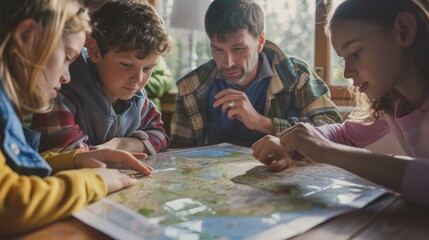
point(295, 94)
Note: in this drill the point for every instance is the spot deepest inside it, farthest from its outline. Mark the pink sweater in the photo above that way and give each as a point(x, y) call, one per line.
point(411, 132)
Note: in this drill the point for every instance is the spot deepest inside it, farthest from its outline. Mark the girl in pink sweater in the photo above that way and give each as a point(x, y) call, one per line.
point(386, 55)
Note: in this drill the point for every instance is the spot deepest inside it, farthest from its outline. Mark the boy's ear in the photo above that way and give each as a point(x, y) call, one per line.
point(406, 26)
point(25, 32)
point(93, 50)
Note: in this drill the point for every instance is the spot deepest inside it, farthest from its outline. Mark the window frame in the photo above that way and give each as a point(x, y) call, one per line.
point(322, 58)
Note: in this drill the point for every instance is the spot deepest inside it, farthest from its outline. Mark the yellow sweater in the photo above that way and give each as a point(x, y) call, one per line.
point(28, 202)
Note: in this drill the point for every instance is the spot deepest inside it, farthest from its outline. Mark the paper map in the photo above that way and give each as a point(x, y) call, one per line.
point(222, 192)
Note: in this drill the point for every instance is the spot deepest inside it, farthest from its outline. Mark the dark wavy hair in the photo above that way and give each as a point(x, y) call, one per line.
point(127, 25)
point(224, 17)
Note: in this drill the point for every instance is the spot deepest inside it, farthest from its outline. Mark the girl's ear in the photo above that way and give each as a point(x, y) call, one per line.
point(406, 26)
point(25, 33)
point(93, 50)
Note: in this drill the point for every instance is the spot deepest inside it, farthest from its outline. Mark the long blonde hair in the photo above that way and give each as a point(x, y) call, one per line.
point(20, 72)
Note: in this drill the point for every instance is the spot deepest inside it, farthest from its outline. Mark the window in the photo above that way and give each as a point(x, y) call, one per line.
point(290, 25)
point(328, 64)
point(337, 64)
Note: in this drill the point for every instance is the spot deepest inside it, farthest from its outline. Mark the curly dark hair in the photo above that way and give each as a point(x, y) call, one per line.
point(127, 25)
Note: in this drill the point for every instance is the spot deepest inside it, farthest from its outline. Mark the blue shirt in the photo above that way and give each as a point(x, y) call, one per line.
point(223, 129)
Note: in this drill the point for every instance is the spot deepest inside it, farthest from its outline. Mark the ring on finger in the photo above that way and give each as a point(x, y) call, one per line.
point(231, 104)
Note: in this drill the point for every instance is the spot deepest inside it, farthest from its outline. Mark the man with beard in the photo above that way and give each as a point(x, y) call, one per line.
point(249, 89)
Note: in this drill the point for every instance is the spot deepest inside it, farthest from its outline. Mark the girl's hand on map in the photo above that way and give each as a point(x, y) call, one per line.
point(270, 152)
point(302, 143)
point(114, 179)
point(112, 158)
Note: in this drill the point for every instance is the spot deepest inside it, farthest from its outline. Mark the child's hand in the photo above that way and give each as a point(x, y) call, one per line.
point(114, 179)
point(303, 142)
point(269, 151)
point(112, 158)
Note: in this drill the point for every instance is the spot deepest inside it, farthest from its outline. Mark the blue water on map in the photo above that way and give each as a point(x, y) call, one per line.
point(246, 226)
point(205, 153)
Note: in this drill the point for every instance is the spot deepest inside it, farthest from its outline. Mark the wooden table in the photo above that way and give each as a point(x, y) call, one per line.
point(386, 218)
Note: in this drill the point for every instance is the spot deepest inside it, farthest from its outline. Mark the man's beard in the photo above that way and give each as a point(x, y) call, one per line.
point(245, 74)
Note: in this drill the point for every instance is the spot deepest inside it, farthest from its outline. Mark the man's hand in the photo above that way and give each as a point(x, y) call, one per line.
point(237, 105)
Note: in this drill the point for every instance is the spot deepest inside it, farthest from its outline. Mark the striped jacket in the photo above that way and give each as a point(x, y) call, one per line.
point(295, 94)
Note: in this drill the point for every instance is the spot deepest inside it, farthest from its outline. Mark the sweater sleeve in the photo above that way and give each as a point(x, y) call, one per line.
point(61, 161)
point(415, 187)
point(354, 133)
point(28, 202)
point(153, 127)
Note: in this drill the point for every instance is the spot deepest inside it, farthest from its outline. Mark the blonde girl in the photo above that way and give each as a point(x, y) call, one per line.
point(38, 41)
